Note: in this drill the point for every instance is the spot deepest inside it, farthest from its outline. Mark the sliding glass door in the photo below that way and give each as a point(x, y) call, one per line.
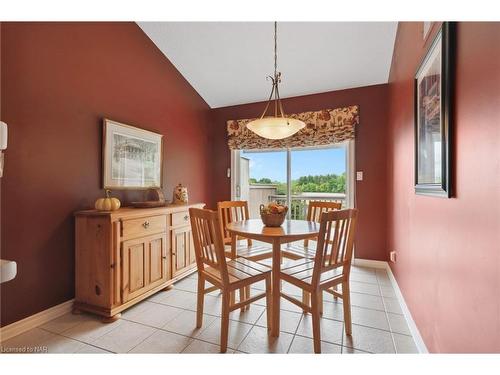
point(294, 177)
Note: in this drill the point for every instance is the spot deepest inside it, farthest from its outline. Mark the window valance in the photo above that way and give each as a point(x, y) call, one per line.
point(324, 127)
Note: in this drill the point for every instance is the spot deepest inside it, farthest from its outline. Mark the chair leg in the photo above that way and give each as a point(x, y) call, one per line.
point(224, 328)
point(232, 297)
point(242, 298)
point(320, 302)
point(306, 299)
point(200, 301)
point(269, 303)
point(247, 295)
point(346, 302)
point(335, 288)
point(316, 321)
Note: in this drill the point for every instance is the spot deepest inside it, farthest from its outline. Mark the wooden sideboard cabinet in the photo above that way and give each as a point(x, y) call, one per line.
point(124, 256)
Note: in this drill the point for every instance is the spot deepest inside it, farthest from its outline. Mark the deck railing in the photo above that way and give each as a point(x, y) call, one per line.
point(299, 203)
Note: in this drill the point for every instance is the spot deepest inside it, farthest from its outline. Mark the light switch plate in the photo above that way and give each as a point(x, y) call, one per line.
point(359, 176)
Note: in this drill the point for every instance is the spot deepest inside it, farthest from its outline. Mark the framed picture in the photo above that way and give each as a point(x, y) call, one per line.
point(433, 94)
point(132, 157)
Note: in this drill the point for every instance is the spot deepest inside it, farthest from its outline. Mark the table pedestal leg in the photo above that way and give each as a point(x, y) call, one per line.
point(276, 288)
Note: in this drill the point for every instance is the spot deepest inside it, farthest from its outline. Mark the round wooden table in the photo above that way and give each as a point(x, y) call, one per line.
point(290, 231)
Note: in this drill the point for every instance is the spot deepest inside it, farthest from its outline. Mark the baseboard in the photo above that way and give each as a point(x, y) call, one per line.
point(419, 342)
point(370, 263)
point(36, 320)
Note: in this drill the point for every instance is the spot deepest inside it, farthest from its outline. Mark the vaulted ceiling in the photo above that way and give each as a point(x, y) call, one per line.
point(227, 62)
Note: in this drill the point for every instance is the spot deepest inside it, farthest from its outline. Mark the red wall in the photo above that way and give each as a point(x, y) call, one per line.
point(448, 264)
point(370, 155)
point(58, 81)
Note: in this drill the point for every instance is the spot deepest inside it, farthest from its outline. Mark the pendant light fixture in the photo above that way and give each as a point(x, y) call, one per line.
point(278, 126)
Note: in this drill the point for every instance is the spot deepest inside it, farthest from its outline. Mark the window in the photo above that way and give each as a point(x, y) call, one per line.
point(294, 177)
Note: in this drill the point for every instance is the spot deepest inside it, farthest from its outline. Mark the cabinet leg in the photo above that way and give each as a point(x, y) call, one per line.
point(168, 287)
point(111, 319)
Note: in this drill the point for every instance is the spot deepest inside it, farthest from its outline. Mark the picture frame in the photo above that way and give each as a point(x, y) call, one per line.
point(433, 86)
point(132, 157)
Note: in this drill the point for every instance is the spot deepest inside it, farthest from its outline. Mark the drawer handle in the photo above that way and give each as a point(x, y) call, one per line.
point(186, 218)
point(146, 224)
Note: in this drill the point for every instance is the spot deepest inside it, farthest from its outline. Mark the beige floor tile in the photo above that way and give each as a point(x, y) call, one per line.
point(392, 305)
point(383, 278)
point(367, 301)
point(61, 344)
point(333, 311)
point(369, 339)
point(212, 305)
point(291, 290)
point(369, 318)
point(249, 316)
point(331, 330)
point(138, 309)
point(369, 278)
point(387, 291)
point(201, 347)
point(124, 337)
point(155, 315)
point(185, 323)
point(288, 306)
point(89, 331)
point(237, 332)
point(162, 342)
point(363, 270)
point(404, 344)
point(181, 299)
point(347, 350)
point(289, 321)
point(305, 345)
point(258, 341)
point(27, 342)
point(67, 321)
point(161, 296)
point(398, 324)
point(188, 285)
point(366, 288)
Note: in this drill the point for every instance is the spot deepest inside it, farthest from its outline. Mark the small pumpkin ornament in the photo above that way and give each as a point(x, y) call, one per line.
point(108, 203)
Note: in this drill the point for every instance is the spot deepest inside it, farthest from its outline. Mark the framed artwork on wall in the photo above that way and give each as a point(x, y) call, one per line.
point(132, 157)
point(433, 100)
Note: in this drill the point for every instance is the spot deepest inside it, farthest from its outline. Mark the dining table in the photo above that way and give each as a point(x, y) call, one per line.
point(289, 231)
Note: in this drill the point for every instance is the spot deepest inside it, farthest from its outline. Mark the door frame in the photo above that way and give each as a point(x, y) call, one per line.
point(350, 171)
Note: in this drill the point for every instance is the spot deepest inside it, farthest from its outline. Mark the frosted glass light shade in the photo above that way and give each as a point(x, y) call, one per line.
point(275, 127)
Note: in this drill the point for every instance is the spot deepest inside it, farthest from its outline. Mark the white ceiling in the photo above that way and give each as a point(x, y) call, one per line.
point(227, 62)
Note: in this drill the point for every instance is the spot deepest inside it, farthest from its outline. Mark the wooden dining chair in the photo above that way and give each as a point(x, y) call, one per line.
point(330, 267)
point(227, 275)
point(314, 211)
point(230, 211)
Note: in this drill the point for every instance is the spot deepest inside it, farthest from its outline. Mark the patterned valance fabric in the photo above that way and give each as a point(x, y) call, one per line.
point(323, 127)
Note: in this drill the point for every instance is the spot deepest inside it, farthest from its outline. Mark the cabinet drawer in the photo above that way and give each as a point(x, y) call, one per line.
point(180, 218)
point(144, 226)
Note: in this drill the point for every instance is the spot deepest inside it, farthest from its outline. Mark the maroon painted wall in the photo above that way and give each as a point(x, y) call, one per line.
point(448, 264)
point(58, 81)
point(370, 155)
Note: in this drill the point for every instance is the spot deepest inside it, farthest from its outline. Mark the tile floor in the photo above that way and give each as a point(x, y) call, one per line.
point(165, 323)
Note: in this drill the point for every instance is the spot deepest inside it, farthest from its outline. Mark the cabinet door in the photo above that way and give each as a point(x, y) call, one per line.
point(182, 250)
point(144, 265)
point(159, 265)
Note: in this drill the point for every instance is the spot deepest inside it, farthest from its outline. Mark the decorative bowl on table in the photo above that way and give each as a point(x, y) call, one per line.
point(273, 215)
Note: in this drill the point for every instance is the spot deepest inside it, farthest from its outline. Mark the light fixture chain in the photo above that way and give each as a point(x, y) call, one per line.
point(275, 48)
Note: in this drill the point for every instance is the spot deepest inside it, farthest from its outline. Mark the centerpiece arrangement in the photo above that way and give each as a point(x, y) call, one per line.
point(273, 214)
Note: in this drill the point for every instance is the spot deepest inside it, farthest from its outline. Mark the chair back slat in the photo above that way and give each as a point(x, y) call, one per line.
point(337, 251)
point(208, 244)
point(230, 211)
point(316, 208)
